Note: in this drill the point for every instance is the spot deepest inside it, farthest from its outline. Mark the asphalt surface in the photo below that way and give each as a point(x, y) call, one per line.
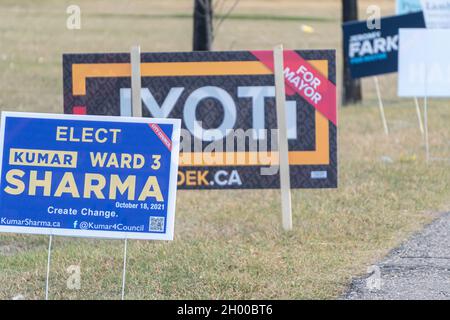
point(418, 270)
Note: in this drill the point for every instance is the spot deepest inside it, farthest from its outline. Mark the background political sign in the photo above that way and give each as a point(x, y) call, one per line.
point(88, 176)
point(372, 52)
point(436, 13)
point(424, 66)
point(407, 6)
point(226, 101)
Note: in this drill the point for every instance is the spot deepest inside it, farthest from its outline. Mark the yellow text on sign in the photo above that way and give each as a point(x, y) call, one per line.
point(100, 135)
point(94, 185)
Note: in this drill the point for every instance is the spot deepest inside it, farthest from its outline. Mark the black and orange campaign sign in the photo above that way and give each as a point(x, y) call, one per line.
point(226, 101)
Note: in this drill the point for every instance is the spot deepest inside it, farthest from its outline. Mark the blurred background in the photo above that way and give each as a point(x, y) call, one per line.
point(34, 33)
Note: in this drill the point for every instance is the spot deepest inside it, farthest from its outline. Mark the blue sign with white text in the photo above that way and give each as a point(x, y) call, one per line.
point(371, 52)
point(88, 176)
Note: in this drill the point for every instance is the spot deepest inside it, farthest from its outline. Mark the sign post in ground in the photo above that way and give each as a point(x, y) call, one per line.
point(283, 151)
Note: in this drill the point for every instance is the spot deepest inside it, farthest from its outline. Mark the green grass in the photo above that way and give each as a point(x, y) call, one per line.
point(228, 244)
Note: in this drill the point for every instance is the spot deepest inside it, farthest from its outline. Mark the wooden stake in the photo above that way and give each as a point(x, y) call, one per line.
point(380, 105)
point(136, 81)
point(285, 183)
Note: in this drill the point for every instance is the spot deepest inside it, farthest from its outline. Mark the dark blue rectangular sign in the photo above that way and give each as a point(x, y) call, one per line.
point(371, 52)
point(88, 176)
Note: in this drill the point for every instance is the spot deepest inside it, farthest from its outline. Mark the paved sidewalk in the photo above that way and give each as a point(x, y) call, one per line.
point(418, 269)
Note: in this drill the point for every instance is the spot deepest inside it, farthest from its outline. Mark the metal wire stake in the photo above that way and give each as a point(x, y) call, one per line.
point(124, 274)
point(49, 256)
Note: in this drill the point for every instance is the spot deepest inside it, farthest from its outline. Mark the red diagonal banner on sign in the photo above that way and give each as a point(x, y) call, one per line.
point(161, 135)
point(302, 78)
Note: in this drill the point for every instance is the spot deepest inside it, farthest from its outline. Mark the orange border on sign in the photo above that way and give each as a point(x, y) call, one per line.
point(320, 156)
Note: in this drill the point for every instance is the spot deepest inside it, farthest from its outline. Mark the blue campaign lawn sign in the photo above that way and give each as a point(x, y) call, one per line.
point(373, 52)
point(88, 176)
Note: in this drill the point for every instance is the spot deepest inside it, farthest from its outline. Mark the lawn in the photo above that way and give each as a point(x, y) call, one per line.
point(228, 244)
